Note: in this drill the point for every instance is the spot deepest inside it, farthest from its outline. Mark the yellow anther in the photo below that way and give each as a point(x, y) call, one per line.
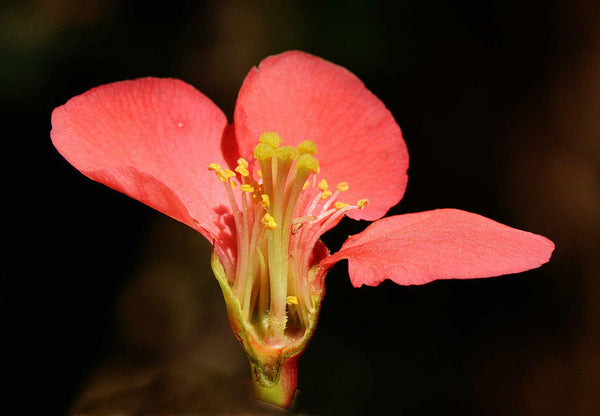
point(305, 185)
point(291, 300)
point(323, 186)
point(247, 188)
point(233, 184)
point(242, 170)
point(269, 222)
point(307, 164)
point(214, 167)
point(242, 162)
point(263, 151)
point(225, 174)
point(342, 186)
point(259, 173)
point(326, 194)
point(265, 201)
point(272, 139)
point(286, 153)
point(307, 146)
point(362, 203)
point(340, 205)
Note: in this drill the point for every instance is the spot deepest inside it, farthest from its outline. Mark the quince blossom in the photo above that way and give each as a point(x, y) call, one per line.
point(309, 145)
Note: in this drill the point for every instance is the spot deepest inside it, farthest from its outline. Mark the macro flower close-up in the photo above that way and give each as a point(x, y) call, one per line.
point(308, 145)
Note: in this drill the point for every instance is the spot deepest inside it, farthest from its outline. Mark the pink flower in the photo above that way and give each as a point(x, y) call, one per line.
point(264, 205)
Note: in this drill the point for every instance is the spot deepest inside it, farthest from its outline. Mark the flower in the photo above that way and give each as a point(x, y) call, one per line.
point(309, 144)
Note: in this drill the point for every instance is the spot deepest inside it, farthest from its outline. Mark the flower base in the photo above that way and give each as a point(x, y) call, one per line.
point(282, 391)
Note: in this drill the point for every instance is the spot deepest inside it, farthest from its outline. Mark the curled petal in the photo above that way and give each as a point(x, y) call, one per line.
point(151, 139)
point(415, 249)
point(303, 97)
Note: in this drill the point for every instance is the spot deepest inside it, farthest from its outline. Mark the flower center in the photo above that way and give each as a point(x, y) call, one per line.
point(279, 213)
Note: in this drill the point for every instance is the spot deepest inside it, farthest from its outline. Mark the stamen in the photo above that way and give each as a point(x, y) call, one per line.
point(299, 222)
point(362, 203)
point(264, 201)
point(340, 205)
point(303, 219)
point(326, 194)
point(242, 170)
point(331, 200)
point(269, 222)
point(313, 205)
point(224, 174)
point(291, 300)
point(214, 167)
point(247, 188)
point(342, 186)
point(323, 186)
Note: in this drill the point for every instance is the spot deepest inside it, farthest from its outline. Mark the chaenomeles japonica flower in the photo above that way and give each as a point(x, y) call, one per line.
point(309, 144)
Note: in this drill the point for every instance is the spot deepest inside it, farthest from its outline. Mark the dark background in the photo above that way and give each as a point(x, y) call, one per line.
point(111, 308)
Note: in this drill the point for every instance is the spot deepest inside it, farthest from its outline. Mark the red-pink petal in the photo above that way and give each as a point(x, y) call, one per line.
point(300, 97)
point(147, 189)
point(414, 249)
point(151, 139)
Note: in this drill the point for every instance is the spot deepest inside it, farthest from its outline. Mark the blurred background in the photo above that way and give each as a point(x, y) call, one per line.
point(111, 308)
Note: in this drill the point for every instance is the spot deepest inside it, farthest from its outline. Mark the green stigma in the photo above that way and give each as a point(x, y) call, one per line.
point(271, 139)
point(286, 153)
point(307, 164)
point(307, 146)
point(263, 151)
